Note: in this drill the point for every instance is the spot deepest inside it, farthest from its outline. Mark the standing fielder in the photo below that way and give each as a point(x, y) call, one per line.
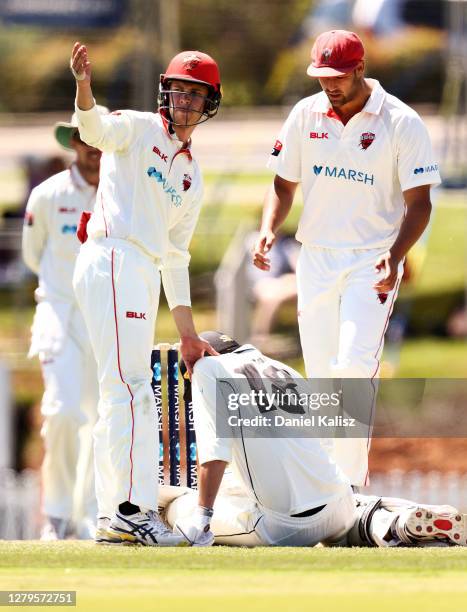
point(281, 490)
point(147, 207)
point(60, 339)
point(365, 163)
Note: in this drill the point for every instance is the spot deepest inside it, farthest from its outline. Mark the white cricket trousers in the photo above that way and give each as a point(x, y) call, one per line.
point(117, 287)
point(240, 521)
point(342, 323)
point(69, 407)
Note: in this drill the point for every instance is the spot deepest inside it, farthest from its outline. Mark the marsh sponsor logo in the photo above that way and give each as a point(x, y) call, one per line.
point(430, 168)
point(175, 198)
point(344, 173)
point(69, 229)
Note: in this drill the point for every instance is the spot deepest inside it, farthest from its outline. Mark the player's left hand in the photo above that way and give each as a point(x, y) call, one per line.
point(388, 264)
point(193, 348)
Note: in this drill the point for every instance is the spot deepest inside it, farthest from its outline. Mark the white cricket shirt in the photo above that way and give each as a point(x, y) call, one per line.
point(49, 242)
point(290, 474)
point(150, 191)
point(353, 176)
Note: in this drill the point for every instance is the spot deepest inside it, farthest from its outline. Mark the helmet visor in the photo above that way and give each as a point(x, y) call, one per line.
point(187, 108)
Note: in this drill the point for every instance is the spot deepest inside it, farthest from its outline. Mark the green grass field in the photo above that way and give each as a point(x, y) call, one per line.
point(228, 579)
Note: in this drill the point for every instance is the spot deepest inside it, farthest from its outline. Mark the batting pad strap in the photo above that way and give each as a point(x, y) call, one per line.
point(176, 282)
point(364, 525)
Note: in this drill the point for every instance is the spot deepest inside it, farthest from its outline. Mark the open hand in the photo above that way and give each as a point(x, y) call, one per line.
point(389, 264)
point(79, 63)
point(262, 247)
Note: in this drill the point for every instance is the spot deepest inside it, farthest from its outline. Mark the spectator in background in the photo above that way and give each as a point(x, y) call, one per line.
point(60, 339)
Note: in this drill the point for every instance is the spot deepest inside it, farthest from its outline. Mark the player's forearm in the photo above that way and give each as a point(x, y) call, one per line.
point(210, 478)
point(183, 317)
point(412, 228)
point(84, 97)
point(277, 204)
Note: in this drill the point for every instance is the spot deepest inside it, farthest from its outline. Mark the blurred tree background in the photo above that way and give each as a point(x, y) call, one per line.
point(263, 47)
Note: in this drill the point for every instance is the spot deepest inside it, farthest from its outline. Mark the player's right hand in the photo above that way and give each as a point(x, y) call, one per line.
point(80, 65)
point(262, 247)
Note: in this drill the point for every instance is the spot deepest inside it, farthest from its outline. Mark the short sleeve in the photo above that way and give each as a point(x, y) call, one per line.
point(415, 161)
point(285, 158)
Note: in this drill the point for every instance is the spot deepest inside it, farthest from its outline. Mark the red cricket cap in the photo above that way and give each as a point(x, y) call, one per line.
point(196, 67)
point(334, 53)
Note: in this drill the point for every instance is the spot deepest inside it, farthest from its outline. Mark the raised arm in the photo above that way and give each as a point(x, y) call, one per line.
point(81, 68)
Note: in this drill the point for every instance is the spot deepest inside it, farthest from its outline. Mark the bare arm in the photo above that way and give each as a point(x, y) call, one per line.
point(416, 219)
point(210, 478)
point(81, 69)
point(277, 204)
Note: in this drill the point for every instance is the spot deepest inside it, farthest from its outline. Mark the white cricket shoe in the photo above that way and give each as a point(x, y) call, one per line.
point(194, 534)
point(441, 523)
point(102, 535)
point(144, 528)
point(55, 529)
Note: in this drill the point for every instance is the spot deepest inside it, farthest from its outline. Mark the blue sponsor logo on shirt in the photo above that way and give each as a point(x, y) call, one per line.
point(175, 198)
point(431, 168)
point(69, 229)
point(346, 174)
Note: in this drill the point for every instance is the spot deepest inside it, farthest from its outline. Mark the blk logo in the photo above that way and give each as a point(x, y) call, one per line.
point(163, 156)
point(319, 135)
point(135, 315)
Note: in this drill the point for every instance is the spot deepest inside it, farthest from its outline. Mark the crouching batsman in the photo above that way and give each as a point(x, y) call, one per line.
point(281, 490)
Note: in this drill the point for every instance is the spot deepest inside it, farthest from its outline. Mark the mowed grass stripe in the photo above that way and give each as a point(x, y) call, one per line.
point(126, 578)
point(76, 554)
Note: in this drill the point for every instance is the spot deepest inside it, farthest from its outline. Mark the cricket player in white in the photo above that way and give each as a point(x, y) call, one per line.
point(365, 164)
point(289, 492)
point(282, 491)
point(60, 339)
point(147, 207)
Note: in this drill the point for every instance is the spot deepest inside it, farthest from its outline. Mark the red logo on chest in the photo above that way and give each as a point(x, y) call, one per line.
point(163, 156)
point(320, 135)
point(366, 139)
point(382, 297)
point(186, 182)
point(64, 209)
